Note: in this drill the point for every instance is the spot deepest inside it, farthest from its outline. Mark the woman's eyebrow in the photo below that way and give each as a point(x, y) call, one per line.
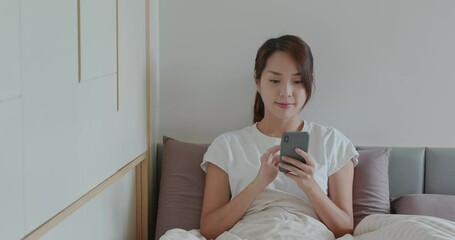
point(275, 73)
point(279, 74)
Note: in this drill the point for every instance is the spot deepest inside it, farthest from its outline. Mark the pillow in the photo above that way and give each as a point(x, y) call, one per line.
point(434, 205)
point(182, 186)
point(371, 183)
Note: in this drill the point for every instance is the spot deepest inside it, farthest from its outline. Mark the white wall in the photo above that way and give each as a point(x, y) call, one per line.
point(384, 73)
point(60, 138)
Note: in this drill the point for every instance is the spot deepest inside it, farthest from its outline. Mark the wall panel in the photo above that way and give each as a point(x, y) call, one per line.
point(98, 138)
point(74, 136)
point(11, 135)
point(9, 50)
point(59, 136)
point(132, 79)
point(11, 171)
point(51, 121)
point(98, 38)
point(114, 207)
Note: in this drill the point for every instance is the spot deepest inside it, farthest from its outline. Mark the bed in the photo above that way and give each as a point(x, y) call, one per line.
point(402, 189)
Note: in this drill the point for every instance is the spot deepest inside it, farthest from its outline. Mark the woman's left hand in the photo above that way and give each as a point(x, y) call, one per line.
point(302, 173)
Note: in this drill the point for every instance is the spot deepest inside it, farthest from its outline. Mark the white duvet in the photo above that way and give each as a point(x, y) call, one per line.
point(272, 217)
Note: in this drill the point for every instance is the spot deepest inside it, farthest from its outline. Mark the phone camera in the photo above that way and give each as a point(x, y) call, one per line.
point(286, 138)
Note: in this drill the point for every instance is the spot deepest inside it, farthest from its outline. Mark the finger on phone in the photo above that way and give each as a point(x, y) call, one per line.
point(294, 162)
point(274, 149)
point(305, 156)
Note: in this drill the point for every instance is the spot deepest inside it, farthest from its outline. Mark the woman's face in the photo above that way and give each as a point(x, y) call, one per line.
point(281, 87)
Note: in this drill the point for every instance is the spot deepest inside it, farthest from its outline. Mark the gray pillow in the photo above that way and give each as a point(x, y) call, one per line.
point(181, 187)
point(435, 205)
point(371, 183)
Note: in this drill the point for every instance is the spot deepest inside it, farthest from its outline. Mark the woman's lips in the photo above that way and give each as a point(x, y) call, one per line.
point(285, 105)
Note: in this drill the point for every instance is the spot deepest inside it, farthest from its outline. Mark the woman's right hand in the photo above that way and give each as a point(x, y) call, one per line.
point(219, 212)
point(269, 166)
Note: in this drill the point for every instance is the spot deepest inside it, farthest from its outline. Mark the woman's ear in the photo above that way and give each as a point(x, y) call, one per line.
point(257, 82)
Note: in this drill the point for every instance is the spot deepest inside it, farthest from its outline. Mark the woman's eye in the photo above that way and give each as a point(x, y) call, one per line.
point(298, 82)
point(274, 81)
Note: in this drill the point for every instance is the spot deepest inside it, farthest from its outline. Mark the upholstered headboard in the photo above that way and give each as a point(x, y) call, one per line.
point(421, 170)
point(412, 170)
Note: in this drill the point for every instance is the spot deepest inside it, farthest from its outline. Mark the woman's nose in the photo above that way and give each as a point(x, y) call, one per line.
point(286, 90)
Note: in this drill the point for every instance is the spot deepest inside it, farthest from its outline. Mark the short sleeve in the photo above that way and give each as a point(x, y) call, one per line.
point(340, 150)
point(218, 153)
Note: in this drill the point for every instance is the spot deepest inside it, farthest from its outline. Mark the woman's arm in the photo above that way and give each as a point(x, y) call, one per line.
point(218, 213)
point(334, 210)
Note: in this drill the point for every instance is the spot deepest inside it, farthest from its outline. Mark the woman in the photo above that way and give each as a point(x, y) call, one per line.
point(243, 164)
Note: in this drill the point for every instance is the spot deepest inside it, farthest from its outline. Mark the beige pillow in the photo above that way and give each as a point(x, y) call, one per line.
point(371, 183)
point(182, 186)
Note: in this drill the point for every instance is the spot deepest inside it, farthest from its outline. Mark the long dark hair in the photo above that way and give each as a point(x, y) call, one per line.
point(299, 51)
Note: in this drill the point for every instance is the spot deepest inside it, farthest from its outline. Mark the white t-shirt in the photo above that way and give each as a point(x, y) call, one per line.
point(238, 154)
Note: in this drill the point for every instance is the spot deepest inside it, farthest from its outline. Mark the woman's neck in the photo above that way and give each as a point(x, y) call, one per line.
point(276, 127)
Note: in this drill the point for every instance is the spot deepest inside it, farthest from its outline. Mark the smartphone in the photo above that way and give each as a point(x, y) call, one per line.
point(289, 142)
